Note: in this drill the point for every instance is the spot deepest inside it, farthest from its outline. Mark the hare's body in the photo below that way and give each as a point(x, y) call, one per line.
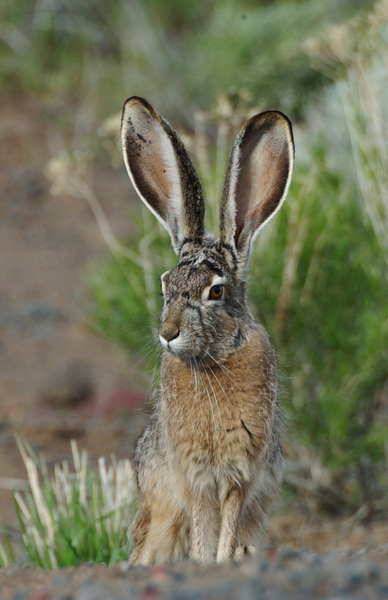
point(210, 462)
point(215, 440)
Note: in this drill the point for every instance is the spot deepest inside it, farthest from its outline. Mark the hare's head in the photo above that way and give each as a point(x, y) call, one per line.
point(205, 314)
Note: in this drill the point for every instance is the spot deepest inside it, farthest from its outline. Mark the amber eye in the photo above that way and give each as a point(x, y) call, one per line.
point(216, 292)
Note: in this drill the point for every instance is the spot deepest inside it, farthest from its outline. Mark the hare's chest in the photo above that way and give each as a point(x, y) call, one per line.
point(217, 420)
point(210, 444)
point(217, 455)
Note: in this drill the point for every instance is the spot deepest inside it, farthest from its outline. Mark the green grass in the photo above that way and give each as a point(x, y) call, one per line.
point(7, 553)
point(77, 513)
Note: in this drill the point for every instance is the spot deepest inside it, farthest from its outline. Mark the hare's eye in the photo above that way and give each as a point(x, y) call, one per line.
point(216, 292)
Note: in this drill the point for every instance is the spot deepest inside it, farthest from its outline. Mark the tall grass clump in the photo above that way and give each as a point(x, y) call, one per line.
point(75, 514)
point(359, 50)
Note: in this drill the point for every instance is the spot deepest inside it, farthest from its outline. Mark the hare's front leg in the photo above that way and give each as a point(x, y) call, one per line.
point(138, 534)
point(230, 514)
point(203, 528)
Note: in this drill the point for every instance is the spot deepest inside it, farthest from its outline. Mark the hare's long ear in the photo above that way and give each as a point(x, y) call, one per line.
point(257, 180)
point(162, 172)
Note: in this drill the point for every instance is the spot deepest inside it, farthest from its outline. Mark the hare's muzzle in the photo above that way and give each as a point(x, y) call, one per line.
point(168, 331)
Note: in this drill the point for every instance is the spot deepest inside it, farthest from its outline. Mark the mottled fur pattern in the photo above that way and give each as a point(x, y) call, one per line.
point(210, 462)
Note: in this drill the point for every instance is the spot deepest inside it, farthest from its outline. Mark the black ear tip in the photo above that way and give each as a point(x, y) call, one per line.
point(269, 119)
point(137, 101)
point(282, 117)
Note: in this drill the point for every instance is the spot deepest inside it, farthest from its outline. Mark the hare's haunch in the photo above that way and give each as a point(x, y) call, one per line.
point(210, 462)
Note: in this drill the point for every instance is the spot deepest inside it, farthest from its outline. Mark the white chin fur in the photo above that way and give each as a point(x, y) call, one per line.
point(163, 341)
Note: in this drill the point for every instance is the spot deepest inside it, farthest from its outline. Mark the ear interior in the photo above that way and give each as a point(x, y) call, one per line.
point(162, 172)
point(264, 170)
point(258, 178)
point(151, 161)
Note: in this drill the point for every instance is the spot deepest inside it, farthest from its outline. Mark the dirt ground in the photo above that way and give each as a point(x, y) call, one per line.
point(58, 381)
point(283, 575)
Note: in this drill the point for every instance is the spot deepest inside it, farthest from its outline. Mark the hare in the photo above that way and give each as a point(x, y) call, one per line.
point(210, 461)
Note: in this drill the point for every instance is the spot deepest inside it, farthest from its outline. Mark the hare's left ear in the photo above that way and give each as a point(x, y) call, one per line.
point(257, 180)
point(162, 172)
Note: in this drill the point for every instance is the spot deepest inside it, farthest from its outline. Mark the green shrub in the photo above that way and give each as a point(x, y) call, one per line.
point(322, 285)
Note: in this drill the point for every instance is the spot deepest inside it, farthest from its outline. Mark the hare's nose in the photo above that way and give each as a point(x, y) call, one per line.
point(169, 331)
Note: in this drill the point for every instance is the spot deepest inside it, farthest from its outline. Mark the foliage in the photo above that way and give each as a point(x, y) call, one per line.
point(79, 50)
point(327, 309)
point(71, 517)
point(359, 50)
point(7, 554)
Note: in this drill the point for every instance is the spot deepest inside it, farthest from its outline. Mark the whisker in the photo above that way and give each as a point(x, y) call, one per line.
point(205, 387)
point(214, 393)
point(198, 389)
point(226, 396)
point(235, 380)
point(227, 371)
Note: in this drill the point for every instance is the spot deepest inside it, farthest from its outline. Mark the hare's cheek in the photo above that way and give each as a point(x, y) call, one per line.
point(222, 326)
point(192, 338)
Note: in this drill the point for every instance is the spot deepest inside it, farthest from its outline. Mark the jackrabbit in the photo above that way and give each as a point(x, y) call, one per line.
point(210, 462)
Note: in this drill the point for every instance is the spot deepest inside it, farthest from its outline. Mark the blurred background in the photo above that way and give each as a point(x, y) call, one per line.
point(80, 259)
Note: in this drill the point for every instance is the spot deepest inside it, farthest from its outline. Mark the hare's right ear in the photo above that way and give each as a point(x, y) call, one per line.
point(162, 172)
point(257, 180)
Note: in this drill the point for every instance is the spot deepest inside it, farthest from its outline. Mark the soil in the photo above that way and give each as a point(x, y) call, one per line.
point(58, 382)
point(277, 576)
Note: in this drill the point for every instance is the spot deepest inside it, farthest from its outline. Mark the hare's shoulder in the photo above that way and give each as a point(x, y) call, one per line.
point(256, 359)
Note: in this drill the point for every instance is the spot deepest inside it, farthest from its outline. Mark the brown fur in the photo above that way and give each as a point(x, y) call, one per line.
point(210, 462)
